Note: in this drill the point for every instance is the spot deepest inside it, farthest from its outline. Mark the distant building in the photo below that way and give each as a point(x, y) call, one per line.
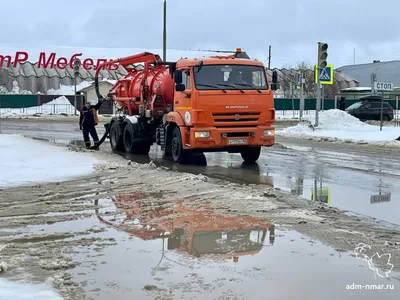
point(90, 95)
point(89, 92)
point(388, 71)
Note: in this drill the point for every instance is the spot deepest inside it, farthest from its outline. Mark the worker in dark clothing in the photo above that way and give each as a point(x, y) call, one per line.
point(87, 122)
point(342, 105)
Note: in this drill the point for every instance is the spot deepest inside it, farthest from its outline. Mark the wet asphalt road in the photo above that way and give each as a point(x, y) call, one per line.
point(357, 178)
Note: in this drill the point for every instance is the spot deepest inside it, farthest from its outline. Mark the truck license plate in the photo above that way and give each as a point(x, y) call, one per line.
point(238, 142)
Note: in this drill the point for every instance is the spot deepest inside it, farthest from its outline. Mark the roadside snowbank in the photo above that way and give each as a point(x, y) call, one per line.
point(26, 161)
point(339, 125)
point(60, 105)
point(24, 291)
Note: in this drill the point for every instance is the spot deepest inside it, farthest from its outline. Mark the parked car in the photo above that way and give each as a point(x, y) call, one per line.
point(369, 108)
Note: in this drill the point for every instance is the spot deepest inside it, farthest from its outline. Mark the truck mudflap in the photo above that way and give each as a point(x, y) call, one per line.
point(215, 138)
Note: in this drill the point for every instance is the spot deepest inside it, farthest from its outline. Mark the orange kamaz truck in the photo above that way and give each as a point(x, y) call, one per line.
point(218, 103)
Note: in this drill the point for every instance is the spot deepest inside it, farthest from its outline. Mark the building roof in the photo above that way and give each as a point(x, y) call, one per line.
point(34, 79)
point(388, 71)
point(91, 86)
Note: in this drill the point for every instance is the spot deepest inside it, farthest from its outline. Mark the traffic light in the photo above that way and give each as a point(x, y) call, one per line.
point(322, 55)
point(77, 64)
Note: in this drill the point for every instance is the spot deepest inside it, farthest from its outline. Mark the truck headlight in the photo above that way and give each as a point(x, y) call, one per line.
point(202, 134)
point(269, 132)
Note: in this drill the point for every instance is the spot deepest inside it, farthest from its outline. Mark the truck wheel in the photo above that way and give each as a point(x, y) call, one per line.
point(129, 136)
point(177, 151)
point(251, 154)
point(116, 141)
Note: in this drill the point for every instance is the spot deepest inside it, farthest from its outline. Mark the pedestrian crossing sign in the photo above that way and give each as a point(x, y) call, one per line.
point(325, 75)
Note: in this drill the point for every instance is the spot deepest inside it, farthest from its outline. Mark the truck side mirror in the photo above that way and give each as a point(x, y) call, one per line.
point(178, 77)
point(274, 84)
point(180, 87)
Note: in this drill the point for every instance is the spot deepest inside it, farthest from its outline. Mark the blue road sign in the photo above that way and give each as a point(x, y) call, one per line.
point(325, 75)
point(298, 80)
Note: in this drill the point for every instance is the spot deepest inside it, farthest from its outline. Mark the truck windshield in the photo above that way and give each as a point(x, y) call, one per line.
point(230, 77)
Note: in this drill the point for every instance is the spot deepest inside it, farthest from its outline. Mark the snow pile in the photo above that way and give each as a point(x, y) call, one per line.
point(340, 125)
point(26, 161)
point(60, 100)
point(335, 119)
point(69, 90)
point(25, 291)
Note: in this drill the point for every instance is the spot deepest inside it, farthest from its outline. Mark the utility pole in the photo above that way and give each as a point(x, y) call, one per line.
point(303, 80)
point(321, 65)
point(77, 64)
point(292, 94)
point(323, 97)
point(269, 57)
point(75, 102)
point(318, 104)
point(165, 32)
point(373, 79)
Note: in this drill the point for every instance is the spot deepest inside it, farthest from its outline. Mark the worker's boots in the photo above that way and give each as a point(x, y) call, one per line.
point(87, 144)
point(96, 144)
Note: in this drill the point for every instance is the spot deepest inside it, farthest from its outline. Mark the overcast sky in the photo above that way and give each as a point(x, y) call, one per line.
point(291, 27)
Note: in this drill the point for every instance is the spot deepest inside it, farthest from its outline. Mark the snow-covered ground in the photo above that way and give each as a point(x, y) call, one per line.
point(338, 125)
point(25, 161)
point(60, 105)
point(26, 291)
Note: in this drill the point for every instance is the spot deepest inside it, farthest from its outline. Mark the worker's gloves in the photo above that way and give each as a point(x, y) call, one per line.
point(81, 127)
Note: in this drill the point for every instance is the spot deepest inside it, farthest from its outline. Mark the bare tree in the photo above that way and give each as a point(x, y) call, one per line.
point(307, 70)
point(286, 79)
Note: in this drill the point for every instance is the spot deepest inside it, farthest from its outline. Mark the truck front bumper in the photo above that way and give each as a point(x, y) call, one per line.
point(214, 137)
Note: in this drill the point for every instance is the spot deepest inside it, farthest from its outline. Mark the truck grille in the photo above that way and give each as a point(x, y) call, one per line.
point(241, 118)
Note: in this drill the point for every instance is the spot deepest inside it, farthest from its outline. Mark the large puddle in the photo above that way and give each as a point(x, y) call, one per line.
point(178, 251)
point(185, 250)
point(358, 184)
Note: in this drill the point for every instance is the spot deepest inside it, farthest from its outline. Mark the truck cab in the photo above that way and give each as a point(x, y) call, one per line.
point(221, 103)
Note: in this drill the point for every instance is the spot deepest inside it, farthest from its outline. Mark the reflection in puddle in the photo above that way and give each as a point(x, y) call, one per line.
point(376, 202)
point(185, 250)
point(186, 227)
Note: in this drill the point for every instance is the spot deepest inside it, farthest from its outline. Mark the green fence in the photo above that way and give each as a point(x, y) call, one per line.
point(310, 104)
point(18, 101)
point(25, 101)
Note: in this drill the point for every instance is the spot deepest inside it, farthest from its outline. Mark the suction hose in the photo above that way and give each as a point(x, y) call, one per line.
point(100, 98)
point(108, 127)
